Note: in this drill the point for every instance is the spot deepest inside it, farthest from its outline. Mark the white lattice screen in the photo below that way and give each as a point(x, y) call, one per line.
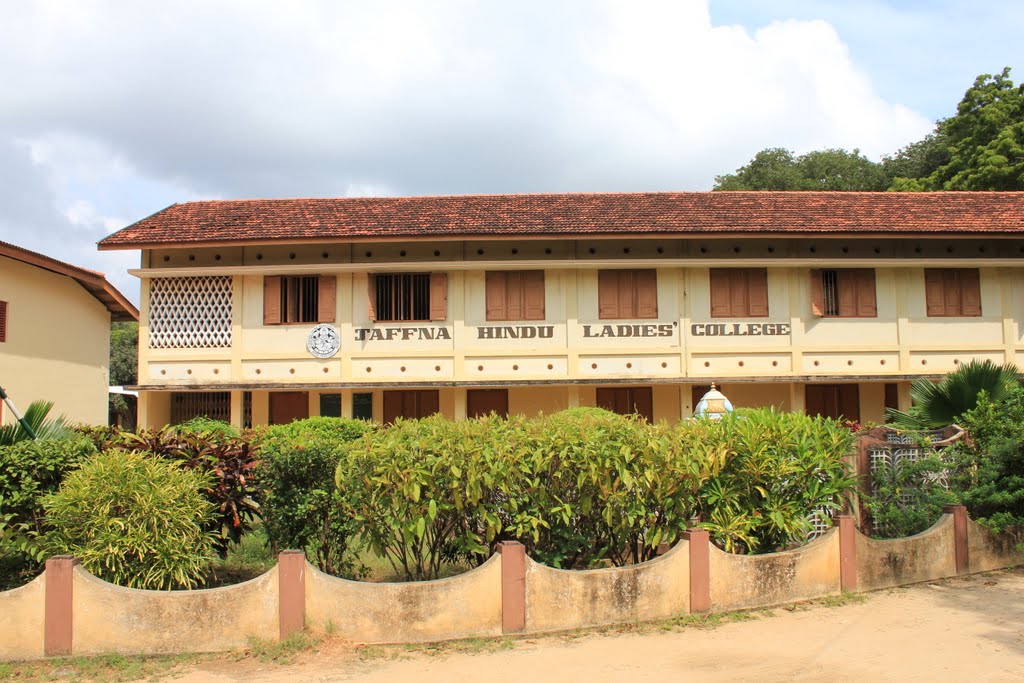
point(190, 312)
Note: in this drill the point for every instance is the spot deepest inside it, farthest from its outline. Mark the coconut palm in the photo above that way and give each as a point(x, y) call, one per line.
point(938, 405)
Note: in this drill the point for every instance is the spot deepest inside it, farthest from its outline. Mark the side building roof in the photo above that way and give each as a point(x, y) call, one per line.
point(121, 309)
point(253, 221)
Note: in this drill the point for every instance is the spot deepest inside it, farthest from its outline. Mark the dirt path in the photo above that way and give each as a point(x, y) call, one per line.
point(959, 629)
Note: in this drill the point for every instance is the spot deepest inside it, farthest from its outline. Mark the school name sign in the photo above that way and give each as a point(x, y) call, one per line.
point(420, 333)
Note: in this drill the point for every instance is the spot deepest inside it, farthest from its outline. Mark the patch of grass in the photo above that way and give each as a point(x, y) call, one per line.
point(99, 669)
point(283, 651)
point(841, 600)
point(246, 560)
point(470, 646)
point(382, 652)
point(710, 620)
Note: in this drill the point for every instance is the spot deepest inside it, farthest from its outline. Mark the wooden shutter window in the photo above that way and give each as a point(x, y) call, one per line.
point(371, 297)
point(515, 295)
point(739, 292)
point(646, 287)
point(720, 284)
point(952, 292)
point(817, 292)
point(608, 295)
point(272, 300)
point(3, 321)
point(934, 292)
point(533, 295)
point(864, 286)
point(327, 297)
point(438, 296)
point(970, 292)
point(496, 284)
point(757, 293)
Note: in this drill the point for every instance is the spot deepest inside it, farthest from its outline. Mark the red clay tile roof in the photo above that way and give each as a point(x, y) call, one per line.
point(563, 215)
point(94, 282)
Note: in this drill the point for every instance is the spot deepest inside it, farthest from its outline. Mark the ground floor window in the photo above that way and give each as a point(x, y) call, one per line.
point(833, 400)
point(410, 404)
point(481, 402)
point(330, 405)
point(288, 406)
point(627, 401)
point(362, 406)
point(215, 405)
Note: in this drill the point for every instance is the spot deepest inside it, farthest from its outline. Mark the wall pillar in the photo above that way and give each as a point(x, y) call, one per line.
point(291, 592)
point(960, 550)
point(847, 553)
point(237, 409)
point(513, 586)
point(700, 569)
point(58, 615)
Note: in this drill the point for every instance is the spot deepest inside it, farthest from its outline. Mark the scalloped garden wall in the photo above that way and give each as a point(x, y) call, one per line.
point(68, 611)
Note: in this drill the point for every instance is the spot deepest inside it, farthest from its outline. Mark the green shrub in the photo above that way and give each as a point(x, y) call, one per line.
point(132, 520)
point(206, 425)
point(909, 498)
point(586, 486)
point(414, 488)
point(990, 477)
point(227, 462)
point(301, 504)
point(601, 486)
point(770, 471)
point(29, 470)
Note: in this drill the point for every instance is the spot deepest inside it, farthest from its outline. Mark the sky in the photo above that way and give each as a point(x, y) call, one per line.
point(111, 111)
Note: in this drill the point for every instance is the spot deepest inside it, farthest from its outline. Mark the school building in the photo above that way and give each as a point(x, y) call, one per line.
point(268, 310)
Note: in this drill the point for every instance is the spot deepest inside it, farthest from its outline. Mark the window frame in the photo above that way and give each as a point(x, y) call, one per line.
point(741, 299)
point(277, 295)
point(510, 291)
point(963, 283)
point(635, 289)
point(437, 297)
point(855, 293)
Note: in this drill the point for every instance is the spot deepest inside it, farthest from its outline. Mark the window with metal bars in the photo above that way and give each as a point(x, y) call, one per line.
point(296, 299)
point(830, 292)
point(402, 297)
point(3, 321)
point(215, 405)
point(843, 293)
point(300, 299)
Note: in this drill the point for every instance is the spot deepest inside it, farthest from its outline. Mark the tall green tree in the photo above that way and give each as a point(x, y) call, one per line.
point(828, 169)
point(985, 138)
point(124, 368)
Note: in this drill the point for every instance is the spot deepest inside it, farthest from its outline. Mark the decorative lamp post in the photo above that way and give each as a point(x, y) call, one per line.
point(713, 405)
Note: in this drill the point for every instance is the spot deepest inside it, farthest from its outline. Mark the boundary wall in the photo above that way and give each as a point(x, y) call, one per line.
point(67, 611)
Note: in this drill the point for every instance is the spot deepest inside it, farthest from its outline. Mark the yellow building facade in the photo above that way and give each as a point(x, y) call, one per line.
point(268, 310)
point(55, 334)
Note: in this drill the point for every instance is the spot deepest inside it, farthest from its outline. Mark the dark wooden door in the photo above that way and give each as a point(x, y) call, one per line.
point(411, 404)
point(486, 401)
point(627, 400)
point(288, 406)
point(833, 400)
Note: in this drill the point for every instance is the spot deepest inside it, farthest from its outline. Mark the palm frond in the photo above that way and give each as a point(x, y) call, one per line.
point(938, 405)
point(36, 416)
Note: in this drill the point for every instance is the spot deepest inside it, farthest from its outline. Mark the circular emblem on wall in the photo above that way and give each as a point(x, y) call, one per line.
point(323, 341)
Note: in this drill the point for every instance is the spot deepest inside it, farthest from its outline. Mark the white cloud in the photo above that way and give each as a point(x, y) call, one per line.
point(128, 107)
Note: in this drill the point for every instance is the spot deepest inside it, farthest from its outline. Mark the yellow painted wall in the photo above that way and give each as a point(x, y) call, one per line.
point(900, 341)
point(58, 344)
